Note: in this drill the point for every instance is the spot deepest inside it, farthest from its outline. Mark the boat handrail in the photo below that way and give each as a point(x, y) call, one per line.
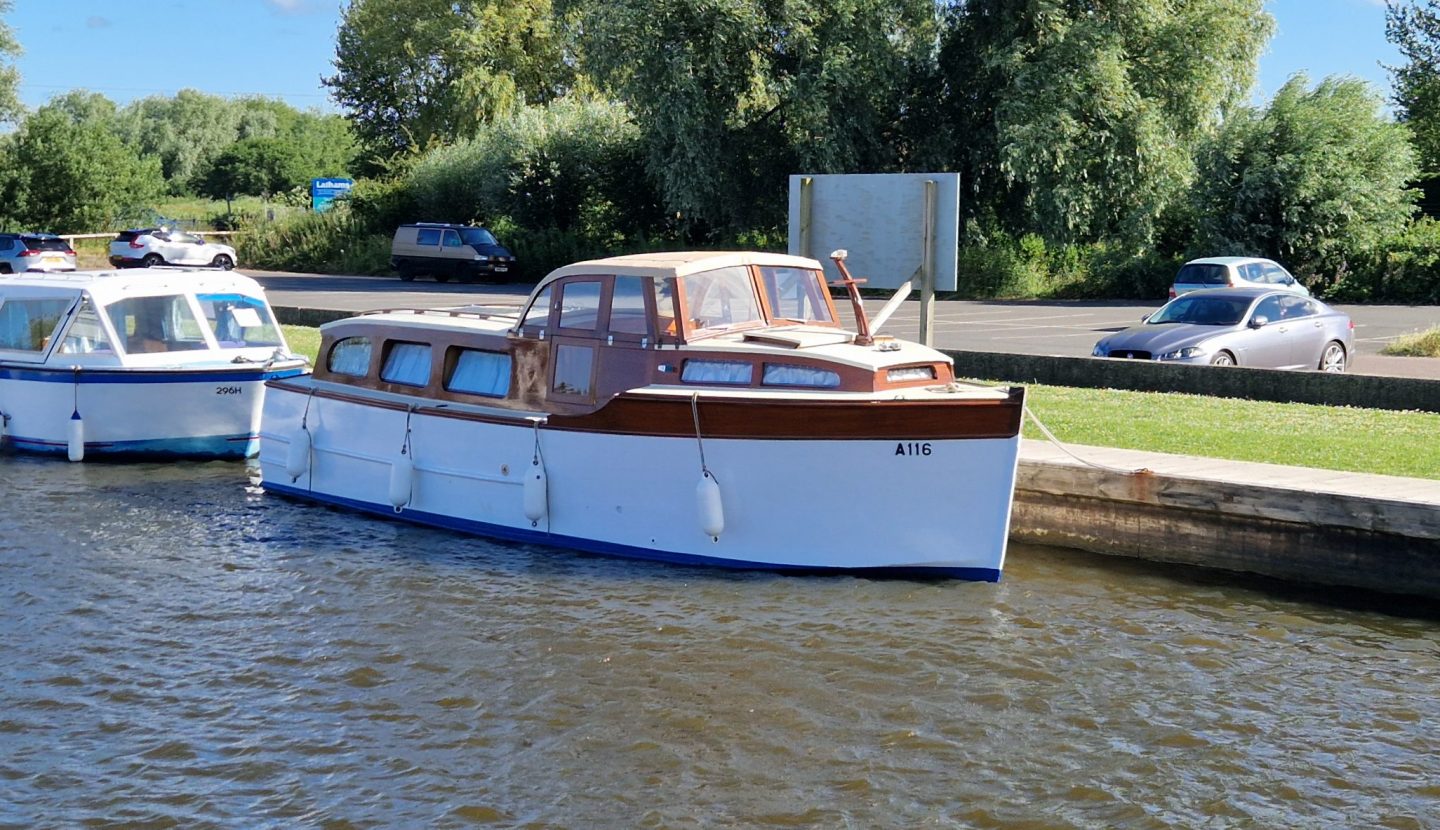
point(464, 312)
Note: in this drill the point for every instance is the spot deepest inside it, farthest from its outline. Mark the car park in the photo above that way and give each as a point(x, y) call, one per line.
point(21, 252)
point(149, 247)
point(1261, 327)
point(445, 251)
point(1234, 272)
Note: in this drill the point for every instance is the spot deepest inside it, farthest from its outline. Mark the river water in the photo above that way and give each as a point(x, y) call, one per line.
point(182, 650)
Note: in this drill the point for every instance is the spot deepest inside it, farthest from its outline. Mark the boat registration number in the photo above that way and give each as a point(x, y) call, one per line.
point(913, 448)
point(227, 390)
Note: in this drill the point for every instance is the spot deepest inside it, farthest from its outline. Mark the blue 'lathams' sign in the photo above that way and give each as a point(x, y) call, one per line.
point(325, 191)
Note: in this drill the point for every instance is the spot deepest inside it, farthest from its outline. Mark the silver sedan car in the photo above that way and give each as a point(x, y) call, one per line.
point(1263, 327)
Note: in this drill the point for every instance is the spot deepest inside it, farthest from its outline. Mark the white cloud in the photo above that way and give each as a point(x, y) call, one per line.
point(289, 6)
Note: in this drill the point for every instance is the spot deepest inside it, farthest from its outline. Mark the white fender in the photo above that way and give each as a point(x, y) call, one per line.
point(4, 422)
point(75, 448)
point(298, 459)
point(709, 507)
point(536, 499)
point(402, 481)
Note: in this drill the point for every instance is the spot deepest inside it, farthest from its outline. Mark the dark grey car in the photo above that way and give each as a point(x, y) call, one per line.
point(1262, 327)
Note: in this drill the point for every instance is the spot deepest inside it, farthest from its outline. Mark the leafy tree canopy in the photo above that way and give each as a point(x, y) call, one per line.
point(10, 108)
point(413, 72)
point(1077, 120)
point(1415, 29)
point(1314, 179)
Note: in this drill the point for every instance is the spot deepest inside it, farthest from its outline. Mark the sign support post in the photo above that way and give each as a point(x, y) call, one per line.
point(927, 267)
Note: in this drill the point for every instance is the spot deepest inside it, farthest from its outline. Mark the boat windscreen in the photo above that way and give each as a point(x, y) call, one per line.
point(239, 321)
point(796, 294)
point(721, 298)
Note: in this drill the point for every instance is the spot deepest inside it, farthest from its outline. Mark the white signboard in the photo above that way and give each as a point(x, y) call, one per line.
point(880, 219)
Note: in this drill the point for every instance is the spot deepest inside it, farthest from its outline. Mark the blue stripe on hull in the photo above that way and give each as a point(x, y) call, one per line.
point(515, 534)
point(214, 446)
point(86, 376)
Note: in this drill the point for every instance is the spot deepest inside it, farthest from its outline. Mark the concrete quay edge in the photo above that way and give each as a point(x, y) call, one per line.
point(1321, 527)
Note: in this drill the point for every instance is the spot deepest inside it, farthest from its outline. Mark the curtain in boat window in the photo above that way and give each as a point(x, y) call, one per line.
point(717, 371)
point(351, 356)
point(787, 374)
point(407, 363)
point(480, 373)
point(27, 325)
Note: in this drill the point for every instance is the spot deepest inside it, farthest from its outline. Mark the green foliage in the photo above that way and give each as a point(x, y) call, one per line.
point(732, 97)
point(1077, 120)
point(1316, 180)
point(1401, 268)
point(10, 107)
point(334, 242)
point(254, 167)
point(1007, 268)
point(71, 176)
point(414, 73)
point(1414, 28)
point(1421, 344)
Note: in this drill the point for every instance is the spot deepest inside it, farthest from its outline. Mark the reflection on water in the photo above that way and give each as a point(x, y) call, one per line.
point(185, 651)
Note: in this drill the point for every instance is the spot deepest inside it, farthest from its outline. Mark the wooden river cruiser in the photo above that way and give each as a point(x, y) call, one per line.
point(164, 362)
point(703, 408)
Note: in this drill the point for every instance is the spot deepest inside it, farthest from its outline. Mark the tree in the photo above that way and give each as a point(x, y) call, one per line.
point(1077, 120)
point(413, 72)
point(256, 167)
point(1414, 28)
point(10, 107)
point(1316, 178)
point(185, 133)
point(72, 175)
point(734, 96)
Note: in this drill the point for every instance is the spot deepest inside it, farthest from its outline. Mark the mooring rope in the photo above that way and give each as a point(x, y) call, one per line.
point(1056, 441)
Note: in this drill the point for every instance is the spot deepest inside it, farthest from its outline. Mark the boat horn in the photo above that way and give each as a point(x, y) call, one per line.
point(709, 507)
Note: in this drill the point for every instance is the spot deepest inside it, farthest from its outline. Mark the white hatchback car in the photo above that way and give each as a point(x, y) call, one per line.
point(1234, 272)
point(148, 247)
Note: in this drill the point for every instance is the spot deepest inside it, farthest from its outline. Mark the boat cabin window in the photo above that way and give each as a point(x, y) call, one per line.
point(407, 363)
point(537, 316)
point(87, 333)
point(350, 356)
point(479, 372)
point(796, 294)
point(628, 314)
point(720, 298)
point(239, 321)
point(665, 313)
point(738, 372)
point(789, 374)
point(574, 370)
point(580, 305)
point(156, 324)
point(26, 325)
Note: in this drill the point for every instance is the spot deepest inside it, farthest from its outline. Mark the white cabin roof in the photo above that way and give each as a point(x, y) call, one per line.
point(663, 264)
point(107, 286)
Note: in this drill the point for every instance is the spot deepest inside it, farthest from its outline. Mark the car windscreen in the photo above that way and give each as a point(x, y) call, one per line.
point(1202, 274)
point(478, 236)
point(41, 243)
point(1203, 311)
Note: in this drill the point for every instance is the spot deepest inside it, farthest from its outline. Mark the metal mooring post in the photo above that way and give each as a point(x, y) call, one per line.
point(807, 200)
point(927, 265)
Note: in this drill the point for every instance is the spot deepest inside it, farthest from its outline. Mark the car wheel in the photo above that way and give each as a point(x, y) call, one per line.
point(5, 268)
point(152, 260)
point(1333, 358)
point(407, 274)
point(1222, 359)
point(223, 262)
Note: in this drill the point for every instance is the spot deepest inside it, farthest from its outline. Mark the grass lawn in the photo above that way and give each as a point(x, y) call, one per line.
point(1302, 435)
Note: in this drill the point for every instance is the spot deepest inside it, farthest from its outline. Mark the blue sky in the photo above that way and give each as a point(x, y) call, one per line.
point(281, 48)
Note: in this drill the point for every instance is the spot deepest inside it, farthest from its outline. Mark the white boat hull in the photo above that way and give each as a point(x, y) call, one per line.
point(938, 508)
point(201, 413)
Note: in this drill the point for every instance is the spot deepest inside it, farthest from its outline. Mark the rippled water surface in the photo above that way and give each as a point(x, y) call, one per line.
point(181, 650)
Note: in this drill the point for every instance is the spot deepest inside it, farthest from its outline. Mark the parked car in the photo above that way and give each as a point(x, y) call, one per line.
point(466, 252)
point(1264, 327)
point(148, 247)
point(1234, 272)
point(21, 252)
